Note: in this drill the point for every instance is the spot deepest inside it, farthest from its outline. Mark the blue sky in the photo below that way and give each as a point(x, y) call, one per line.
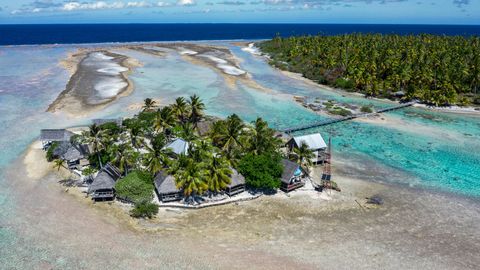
point(234, 11)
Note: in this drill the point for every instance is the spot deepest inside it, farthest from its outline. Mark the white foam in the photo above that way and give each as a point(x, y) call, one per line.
point(188, 52)
point(113, 69)
point(110, 87)
point(252, 49)
point(231, 70)
point(102, 56)
point(214, 59)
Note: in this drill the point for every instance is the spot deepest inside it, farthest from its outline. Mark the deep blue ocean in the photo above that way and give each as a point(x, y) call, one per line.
point(100, 33)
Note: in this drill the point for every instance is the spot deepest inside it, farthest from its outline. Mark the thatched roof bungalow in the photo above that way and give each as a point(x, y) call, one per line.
point(237, 185)
point(47, 136)
point(100, 122)
point(103, 185)
point(292, 176)
point(165, 187)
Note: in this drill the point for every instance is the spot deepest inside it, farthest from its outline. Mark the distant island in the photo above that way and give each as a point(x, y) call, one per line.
point(436, 70)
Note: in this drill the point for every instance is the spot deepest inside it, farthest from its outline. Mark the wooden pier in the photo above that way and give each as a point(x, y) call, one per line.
point(337, 120)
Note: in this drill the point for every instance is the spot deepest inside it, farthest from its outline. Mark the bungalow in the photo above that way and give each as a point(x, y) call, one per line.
point(103, 185)
point(48, 136)
point(179, 146)
point(237, 185)
point(100, 122)
point(165, 188)
point(77, 156)
point(292, 176)
point(315, 143)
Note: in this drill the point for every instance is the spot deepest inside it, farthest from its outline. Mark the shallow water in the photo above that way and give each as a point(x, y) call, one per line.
point(445, 158)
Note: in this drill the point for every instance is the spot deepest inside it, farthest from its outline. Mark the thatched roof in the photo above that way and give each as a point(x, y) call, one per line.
point(165, 183)
point(99, 122)
point(237, 179)
point(289, 169)
point(76, 152)
point(204, 127)
point(113, 171)
point(102, 181)
point(55, 135)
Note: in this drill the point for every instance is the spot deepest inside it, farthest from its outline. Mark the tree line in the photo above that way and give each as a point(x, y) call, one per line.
point(437, 70)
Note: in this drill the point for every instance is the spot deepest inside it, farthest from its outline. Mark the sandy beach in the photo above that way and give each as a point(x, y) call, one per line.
point(81, 95)
point(301, 231)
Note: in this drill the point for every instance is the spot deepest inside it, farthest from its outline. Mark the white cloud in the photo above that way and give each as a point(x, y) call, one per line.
point(186, 2)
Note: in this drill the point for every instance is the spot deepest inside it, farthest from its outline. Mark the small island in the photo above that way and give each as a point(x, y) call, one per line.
point(176, 156)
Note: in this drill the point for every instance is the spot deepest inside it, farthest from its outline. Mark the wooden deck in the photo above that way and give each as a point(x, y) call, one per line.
point(337, 120)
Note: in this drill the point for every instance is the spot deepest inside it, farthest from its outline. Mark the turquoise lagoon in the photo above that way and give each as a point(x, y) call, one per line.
point(444, 157)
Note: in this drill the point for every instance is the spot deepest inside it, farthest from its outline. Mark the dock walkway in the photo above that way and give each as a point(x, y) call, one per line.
point(346, 118)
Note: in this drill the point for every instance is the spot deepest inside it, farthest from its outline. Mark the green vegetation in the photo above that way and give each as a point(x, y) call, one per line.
point(50, 150)
point(261, 171)
point(437, 70)
point(139, 149)
point(137, 186)
point(366, 109)
point(144, 210)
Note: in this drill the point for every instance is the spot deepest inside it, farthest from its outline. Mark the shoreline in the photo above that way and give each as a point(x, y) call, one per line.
point(75, 104)
point(469, 110)
point(314, 230)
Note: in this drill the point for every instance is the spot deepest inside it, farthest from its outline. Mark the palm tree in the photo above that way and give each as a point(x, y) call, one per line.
point(156, 159)
point(196, 109)
point(217, 172)
point(58, 163)
point(149, 104)
point(191, 180)
point(187, 132)
point(261, 139)
point(180, 108)
point(164, 119)
point(95, 137)
point(304, 156)
point(228, 135)
point(123, 157)
point(136, 135)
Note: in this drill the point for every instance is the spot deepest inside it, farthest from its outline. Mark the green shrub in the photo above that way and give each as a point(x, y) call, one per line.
point(111, 127)
point(50, 150)
point(261, 171)
point(137, 186)
point(89, 171)
point(340, 111)
point(144, 209)
point(344, 83)
point(366, 109)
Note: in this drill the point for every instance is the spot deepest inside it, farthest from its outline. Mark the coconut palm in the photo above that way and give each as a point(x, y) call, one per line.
point(217, 173)
point(136, 136)
point(164, 119)
point(96, 138)
point(180, 108)
point(58, 163)
point(187, 132)
point(123, 157)
point(156, 159)
point(149, 104)
point(304, 155)
point(196, 109)
point(261, 139)
point(227, 135)
point(191, 179)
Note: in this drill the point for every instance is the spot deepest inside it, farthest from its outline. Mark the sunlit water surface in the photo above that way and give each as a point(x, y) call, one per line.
point(445, 158)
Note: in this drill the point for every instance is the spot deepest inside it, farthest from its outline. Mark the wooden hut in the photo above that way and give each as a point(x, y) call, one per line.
point(292, 176)
point(103, 185)
point(48, 136)
point(76, 156)
point(237, 185)
point(315, 143)
point(100, 122)
point(165, 187)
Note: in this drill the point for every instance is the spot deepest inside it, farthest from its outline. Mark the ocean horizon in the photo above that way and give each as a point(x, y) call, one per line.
point(46, 34)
